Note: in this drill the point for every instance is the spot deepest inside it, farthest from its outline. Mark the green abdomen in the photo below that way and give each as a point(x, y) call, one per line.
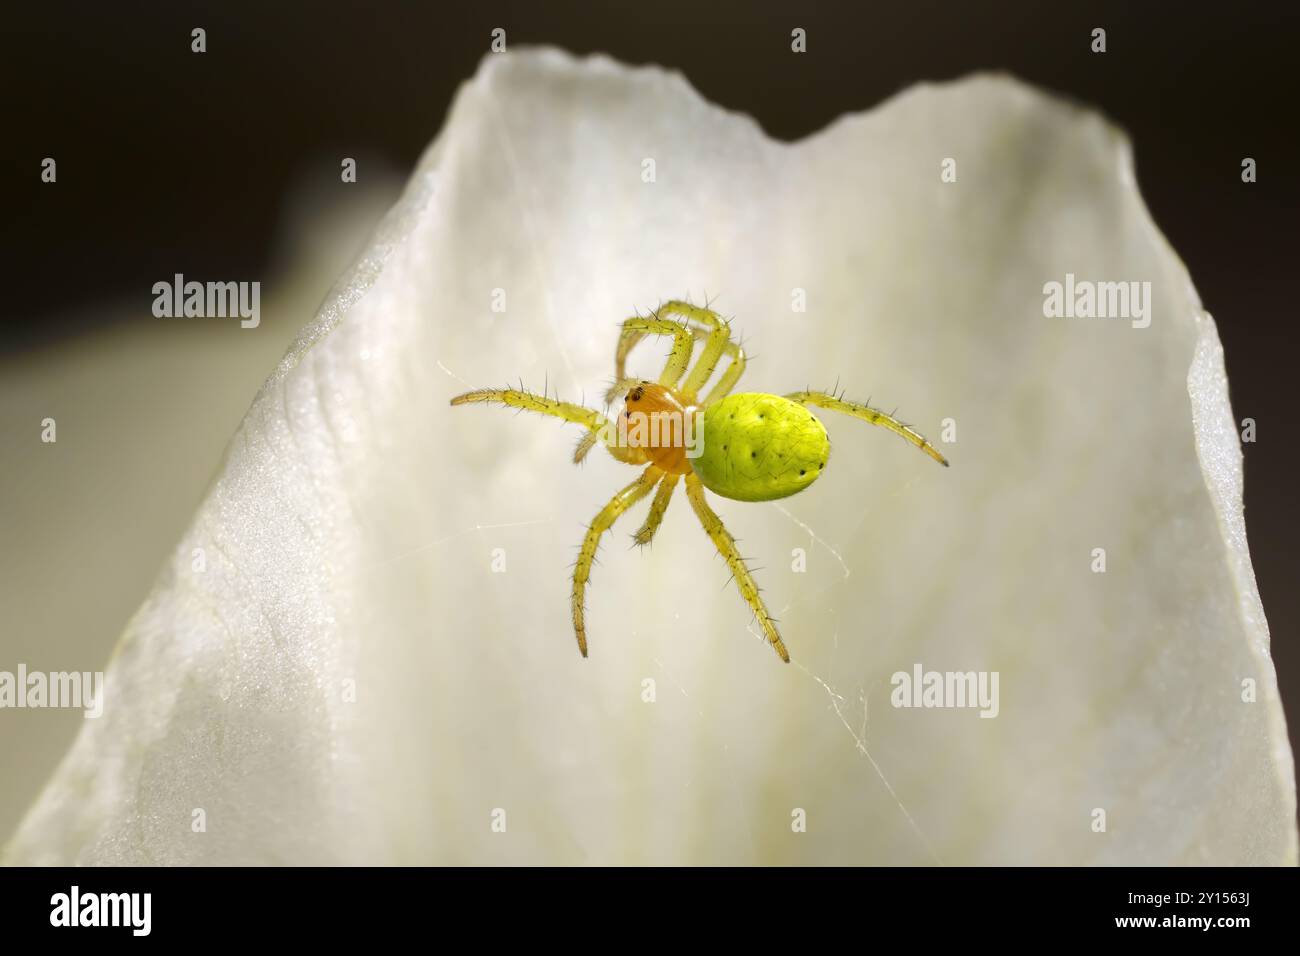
point(758, 447)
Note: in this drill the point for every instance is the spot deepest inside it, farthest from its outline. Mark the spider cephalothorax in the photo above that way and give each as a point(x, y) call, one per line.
point(749, 446)
point(657, 421)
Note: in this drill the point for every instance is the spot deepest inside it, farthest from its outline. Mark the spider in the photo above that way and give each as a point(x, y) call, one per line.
point(749, 446)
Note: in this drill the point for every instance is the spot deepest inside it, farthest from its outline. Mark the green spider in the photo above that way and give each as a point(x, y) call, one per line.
point(749, 446)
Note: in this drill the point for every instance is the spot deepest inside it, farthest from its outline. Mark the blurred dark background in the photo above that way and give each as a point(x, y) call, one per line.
point(173, 162)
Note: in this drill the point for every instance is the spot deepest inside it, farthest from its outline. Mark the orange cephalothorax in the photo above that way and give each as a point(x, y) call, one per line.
point(655, 420)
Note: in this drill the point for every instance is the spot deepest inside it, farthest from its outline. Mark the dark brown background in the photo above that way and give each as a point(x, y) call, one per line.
point(171, 162)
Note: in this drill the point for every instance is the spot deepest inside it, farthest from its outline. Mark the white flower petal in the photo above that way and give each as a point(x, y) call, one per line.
point(350, 536)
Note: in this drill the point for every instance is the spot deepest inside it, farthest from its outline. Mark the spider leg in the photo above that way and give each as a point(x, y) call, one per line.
point(637, 328)
point(702, 324)
point(726, 546)
point(585, 444)
point(599, 525)
point(716, 342)
point(723, 386)
point(872, 415)
point(619, 389)
point(599, 428)
point(657, 508)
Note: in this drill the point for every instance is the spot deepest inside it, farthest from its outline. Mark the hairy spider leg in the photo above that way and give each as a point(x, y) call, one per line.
point(657, 508)
point(872, 415)
point(599, 525)
point(597, 425)
point(637, 328)
point(708, 330)
point(585, 444)
point(707, 325)
point(727, 381)
point(726, 546)
point(715, 345)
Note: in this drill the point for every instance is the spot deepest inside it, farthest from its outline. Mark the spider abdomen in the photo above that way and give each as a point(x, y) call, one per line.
point(758, 447)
